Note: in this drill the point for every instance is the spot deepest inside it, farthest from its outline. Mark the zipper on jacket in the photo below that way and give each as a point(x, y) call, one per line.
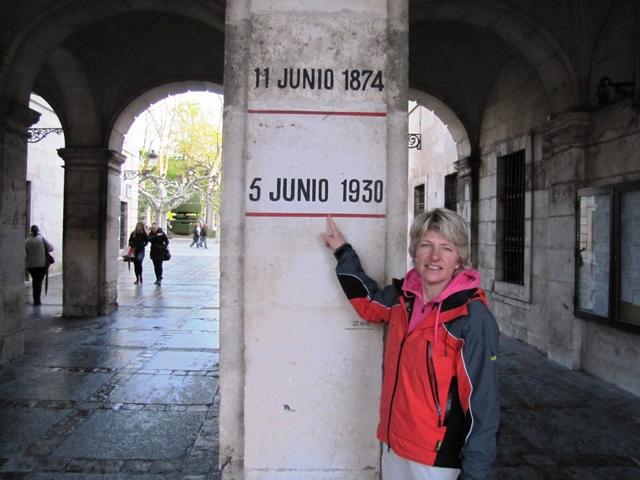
point(433, 382)
point(393, 393)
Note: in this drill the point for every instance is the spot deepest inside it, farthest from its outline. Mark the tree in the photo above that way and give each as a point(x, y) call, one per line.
point(199, 145)
point(189, 160)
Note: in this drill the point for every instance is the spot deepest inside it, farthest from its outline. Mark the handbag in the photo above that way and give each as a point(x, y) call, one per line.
point(130, 255)
point(49, 258)
point(167, 254)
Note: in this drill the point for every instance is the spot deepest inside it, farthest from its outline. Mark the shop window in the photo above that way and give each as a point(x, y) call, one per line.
point(607, 260)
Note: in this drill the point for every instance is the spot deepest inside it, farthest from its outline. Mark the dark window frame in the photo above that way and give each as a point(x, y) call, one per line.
point(419, 191)
point(612, 319)
point(451, 191)
point(512, 205)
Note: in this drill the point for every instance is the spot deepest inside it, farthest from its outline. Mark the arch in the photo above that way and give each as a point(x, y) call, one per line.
point(448, 117)
point(67, 89)
point(30, 50)
point(141, 103)
point(527, 36)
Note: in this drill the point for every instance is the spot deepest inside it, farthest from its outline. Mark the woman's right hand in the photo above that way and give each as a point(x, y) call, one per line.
point(333, 238)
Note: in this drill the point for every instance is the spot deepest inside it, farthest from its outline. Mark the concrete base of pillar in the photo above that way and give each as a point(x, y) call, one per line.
point(108, 308)
point(232, 469)
point(75, 311)
point(11, 346)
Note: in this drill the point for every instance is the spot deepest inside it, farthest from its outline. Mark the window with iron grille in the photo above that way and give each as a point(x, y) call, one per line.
point(451, 192)
point(607, 262)
point(511, 198)
point(418, 199)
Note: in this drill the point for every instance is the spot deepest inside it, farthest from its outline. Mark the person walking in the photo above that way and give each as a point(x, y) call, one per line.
point(203, 234)
point(36, 248)
point(159, 243)
point(196, 236)
point(138, 241)
point(440, 401)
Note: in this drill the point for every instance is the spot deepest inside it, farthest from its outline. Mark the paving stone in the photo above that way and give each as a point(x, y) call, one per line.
point(195, 340)
point(20, 427)
point(183, 361)
point(92, 357)
point(167, 389)
point(43, 383)
point(132, 435)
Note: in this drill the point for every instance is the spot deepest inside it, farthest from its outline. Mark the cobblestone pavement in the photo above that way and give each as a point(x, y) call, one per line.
point(134, 395)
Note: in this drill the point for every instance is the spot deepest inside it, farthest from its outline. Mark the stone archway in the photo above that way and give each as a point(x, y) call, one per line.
point(530, 38)
point(449, 117)
point(26, 55)
point(129, 114)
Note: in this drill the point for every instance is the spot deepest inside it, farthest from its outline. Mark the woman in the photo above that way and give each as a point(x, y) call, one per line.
point(138, 240)
point(439, 408)
point(36, 261)
point(159, 242)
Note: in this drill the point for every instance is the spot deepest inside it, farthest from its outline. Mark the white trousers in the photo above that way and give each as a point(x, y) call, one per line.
point(397, 468)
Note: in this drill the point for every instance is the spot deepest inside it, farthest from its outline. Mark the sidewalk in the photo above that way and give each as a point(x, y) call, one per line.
point(134, 395)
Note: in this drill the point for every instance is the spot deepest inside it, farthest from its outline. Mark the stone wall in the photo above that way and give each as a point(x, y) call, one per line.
point(515, 107)
point(563, 154)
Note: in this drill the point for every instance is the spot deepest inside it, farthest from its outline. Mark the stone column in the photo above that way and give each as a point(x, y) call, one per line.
point(559, 168)
point(467, 184)
point(315, 124)
point(91, 227)
point(15, 119)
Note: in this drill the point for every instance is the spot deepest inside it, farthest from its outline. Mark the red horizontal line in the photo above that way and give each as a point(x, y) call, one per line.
point(319, 112)
point(311, 215)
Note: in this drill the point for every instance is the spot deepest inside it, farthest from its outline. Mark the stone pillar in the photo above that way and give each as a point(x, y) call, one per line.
point(559, 168)
point(15, 119)
point(91, 227)
point(315, 124)
point(467, 184)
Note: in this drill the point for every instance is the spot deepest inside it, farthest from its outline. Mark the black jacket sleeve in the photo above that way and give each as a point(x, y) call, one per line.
point(370, 301)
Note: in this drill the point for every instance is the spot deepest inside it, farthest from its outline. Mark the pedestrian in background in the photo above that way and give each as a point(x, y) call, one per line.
point(196, 235)
point(203, 234)
point(36, 248)
point(159, 243)
point(440, 403)
point(138, 241)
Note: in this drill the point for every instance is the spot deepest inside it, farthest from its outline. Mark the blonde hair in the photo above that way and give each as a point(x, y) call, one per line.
point(446, 222)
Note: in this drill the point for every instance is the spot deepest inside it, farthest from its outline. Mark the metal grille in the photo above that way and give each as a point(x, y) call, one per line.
point(189, 349)
point(418, 199)
point(451, 192)
point(512, 201)
point(123, 224)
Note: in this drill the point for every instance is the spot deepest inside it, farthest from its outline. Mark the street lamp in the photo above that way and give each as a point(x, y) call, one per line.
point(150, 163)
